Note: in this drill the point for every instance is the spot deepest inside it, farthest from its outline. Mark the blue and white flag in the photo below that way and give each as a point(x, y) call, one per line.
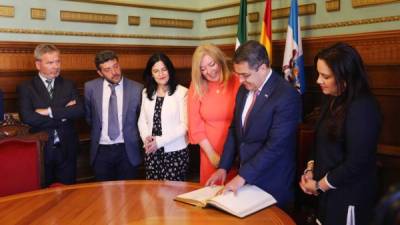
point(293, 60)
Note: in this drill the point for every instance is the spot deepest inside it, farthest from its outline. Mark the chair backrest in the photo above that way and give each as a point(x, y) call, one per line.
point(20, 165)
point(305, 145)
point(1, 106)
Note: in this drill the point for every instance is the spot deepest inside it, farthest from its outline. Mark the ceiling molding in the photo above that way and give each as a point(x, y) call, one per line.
point(195, 38)
point(213, 8)
point(305, 9)
point(332, 5)
point(175, 23)
point(366, 3)
point(88, 17)
point(169, 8)
point(94, 34)
point(7, 11)
point(254, 17)
point(230, 20)
point(134, 20)
point(38, 14)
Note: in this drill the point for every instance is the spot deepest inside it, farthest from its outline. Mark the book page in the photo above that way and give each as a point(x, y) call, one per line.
point(200, 196)
point(247, 200)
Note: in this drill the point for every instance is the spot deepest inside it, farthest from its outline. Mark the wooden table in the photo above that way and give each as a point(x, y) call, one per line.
point(121, 202)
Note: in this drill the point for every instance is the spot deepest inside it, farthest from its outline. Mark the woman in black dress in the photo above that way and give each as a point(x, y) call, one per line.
point(342, 169)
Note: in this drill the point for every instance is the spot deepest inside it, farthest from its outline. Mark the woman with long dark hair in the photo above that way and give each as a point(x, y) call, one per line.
point(342, 171)
point(163, 121)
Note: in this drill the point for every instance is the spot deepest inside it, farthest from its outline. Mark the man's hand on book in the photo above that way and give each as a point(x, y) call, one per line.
point(218, 177)
point(234, 185)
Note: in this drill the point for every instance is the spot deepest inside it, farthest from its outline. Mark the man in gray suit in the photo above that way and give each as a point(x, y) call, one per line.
point(112, 105)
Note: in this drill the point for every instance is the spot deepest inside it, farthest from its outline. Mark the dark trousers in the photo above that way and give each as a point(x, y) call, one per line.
point(112, 163)
point(60, 164)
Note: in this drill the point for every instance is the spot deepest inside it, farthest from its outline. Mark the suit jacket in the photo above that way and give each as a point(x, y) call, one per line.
point(266, 147)
point(33, 94)
point(349, 162)
point(130, 113)
point(174, 122)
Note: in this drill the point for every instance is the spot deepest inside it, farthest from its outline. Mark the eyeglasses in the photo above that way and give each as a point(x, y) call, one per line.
point(245, 76)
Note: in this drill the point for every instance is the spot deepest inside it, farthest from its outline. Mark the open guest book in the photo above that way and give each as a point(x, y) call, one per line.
point(248, 199)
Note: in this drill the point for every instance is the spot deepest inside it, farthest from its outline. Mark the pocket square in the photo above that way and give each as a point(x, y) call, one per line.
point(266, 95)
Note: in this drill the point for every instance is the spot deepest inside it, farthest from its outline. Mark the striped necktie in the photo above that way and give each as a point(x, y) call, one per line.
point(49, 87)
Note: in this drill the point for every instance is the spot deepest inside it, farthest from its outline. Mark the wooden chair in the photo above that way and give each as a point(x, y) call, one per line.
point(21, 158)
point(305, 145)
point(304, 209)
point(20, 165)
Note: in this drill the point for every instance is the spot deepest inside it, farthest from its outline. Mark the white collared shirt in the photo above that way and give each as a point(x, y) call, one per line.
point(119, 91)
point(250, 97)
point(44, 80)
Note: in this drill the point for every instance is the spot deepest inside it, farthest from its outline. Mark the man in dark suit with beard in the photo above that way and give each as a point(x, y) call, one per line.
point(263, 131)
point(112, 104)
point(50, 103)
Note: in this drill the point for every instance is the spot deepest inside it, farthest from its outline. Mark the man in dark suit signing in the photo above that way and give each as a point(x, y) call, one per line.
point(263, 131)
point(50, 103)
point(112, 105)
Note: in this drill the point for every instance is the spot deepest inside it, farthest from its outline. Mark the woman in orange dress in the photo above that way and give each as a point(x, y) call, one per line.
point(211, 103)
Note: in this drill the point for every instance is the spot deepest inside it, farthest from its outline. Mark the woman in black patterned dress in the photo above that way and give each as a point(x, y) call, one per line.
point(163, 121)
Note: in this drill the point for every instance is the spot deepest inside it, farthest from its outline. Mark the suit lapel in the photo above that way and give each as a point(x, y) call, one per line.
point(41, 89)
point(262, 98)
point(98, 97)
point(242, 95)
point(125, 99)
point(58, 82)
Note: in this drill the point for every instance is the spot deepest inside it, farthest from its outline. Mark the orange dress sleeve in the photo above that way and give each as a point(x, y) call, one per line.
point(196, 130)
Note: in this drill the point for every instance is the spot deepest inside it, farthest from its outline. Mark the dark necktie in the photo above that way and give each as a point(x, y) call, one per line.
point(49, 87)
point(113, 124)
point(253, 101)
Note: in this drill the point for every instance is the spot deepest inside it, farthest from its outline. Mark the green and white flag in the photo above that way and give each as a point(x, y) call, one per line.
point(242, 30)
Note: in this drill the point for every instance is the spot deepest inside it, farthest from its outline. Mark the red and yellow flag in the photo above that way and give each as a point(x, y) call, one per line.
point(266, 35)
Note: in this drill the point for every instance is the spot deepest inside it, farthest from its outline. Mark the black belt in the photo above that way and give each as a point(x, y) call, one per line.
point(112, 145)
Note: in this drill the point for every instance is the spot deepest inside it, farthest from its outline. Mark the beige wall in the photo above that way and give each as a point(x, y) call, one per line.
point(16, 23)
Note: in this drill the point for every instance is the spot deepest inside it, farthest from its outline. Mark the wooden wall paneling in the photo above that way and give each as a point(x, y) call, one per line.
point(385, 83)
point(384, 77)
point(78, 63)
point(390, 112)
point(12, 61)
point(380, 52)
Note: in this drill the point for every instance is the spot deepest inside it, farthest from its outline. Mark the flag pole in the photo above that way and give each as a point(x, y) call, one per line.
point(242, 24)
point(293, 60)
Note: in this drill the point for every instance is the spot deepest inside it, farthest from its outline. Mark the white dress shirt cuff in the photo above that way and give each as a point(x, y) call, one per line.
point(327, 182)
point(50, 112)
